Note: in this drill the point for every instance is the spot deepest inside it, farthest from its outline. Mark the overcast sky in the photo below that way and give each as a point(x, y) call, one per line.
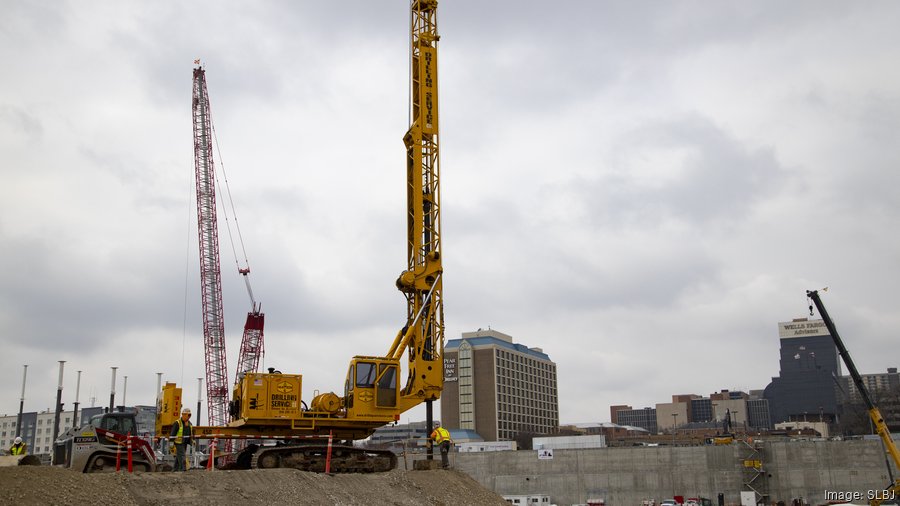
point(642, 189)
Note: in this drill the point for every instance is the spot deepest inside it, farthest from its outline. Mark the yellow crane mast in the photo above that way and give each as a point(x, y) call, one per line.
point(269, 405)
point(421, 282)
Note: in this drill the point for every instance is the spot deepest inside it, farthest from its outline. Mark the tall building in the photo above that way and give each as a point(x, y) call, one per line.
point(809, 366)
point(878, 385)
point(498, 388)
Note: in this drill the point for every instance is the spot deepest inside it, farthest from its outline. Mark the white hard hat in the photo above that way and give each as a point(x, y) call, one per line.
point(18, 440)
point(186, 411)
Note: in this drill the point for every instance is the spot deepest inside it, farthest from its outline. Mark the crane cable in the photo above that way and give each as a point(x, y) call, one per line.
point(245, 271)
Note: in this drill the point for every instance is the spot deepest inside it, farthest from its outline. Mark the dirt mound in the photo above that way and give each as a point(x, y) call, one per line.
point(26, 485)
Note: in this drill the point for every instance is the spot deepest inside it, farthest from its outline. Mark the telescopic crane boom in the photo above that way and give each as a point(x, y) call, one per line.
point(874, 413)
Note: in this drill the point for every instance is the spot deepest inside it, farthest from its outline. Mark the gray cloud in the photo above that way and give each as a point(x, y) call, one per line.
point(624, 185)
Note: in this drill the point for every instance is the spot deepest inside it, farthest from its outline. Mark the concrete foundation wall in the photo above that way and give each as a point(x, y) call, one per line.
point(627, 476)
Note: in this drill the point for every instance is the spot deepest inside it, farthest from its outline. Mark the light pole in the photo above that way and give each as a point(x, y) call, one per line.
point(21, 403)
point(59, 390)
point(75, 423)
point(112, 391)
point(199, 393)
point(674, 426)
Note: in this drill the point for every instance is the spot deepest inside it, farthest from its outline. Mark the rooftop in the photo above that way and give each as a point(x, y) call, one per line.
point(499, 339)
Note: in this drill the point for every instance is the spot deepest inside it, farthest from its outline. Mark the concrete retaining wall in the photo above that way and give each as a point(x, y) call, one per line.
point(628, 476)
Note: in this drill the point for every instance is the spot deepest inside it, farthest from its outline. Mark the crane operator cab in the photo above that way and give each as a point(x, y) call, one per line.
point(371, 384)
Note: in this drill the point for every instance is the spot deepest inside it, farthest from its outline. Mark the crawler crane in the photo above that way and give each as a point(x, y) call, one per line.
point(210, 272)
point(270, 405)
point(881, 427)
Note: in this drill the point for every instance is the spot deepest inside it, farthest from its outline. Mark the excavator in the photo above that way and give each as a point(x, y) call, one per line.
point(877, 497)
point(318, 435)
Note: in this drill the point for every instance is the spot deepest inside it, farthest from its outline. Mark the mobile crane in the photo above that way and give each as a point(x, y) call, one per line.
point(269, 405)
point(881, 427)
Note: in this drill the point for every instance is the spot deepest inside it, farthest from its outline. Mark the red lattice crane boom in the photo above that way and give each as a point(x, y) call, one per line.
point(252, 342)
point(210, 273)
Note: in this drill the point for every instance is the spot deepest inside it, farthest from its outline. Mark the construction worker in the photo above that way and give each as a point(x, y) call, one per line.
point(441, 436)
point(181, 437)
point(18, 447)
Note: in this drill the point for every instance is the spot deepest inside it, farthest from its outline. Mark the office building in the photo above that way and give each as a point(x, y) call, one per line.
point(702, 410)
point(498, 388)
point(758, 414)
point(878, 385)
point(644, 418)
point(613, 410)
point(883, 389)
point(809, 364)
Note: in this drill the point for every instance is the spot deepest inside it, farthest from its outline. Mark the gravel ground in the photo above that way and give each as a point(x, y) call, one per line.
point(39, 485)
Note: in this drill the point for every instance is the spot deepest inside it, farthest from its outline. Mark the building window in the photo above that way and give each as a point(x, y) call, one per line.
point(466, 391)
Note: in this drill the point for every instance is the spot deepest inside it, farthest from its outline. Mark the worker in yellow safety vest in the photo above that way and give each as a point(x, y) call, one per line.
point(19, 447)
point(181, 437)
point(441, 436)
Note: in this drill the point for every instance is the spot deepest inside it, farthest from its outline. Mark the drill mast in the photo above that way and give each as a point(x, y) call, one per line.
point(423, 337)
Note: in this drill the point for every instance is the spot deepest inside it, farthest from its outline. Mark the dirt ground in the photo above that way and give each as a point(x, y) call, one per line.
point(39, 485)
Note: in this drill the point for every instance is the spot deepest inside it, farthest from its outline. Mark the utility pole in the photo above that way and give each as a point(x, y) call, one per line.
point(112, 391)
point(59, 389)
point(21, 403)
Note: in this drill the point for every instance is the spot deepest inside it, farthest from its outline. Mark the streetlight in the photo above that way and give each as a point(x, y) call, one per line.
point(674, 426)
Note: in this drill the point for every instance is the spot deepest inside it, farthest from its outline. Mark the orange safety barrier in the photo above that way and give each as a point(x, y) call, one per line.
point(328, 455)
point(212, 456)
point(130, 462)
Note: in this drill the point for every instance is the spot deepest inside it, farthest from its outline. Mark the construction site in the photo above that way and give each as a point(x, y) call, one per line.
point(267, 438)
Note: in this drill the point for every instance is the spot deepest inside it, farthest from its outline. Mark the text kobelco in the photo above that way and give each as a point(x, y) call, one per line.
point(284, 400)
